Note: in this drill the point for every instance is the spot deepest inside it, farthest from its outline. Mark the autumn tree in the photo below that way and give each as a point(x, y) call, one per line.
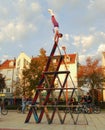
point(92, 72)
point(18, 88)
point(31, 75)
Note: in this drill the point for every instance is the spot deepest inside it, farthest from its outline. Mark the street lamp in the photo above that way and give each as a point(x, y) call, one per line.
point(14, 60)
point(64, 49)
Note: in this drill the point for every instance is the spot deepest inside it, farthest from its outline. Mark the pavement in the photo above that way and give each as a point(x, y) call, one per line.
point(15, 121)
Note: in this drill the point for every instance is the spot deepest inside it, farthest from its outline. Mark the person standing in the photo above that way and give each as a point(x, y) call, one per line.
point(1, 104)
point(89, 101)
point(88, 98)
point(56, 26)
point(23, 103)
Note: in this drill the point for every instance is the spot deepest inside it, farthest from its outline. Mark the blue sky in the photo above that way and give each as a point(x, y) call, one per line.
point(25, 26)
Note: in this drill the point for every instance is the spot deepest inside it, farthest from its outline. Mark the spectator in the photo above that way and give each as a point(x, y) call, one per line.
point(1, 104)
point(88, 98)
point(83, 100)
point(29, 101)
point(89, 101)
point(23, 103)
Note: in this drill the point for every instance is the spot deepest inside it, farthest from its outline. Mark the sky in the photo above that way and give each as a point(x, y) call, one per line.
point(25, 26)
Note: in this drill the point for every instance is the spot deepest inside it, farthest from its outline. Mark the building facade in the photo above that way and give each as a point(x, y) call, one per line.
point(71, 64)
point(12, 70)
point(103, 65)
point(8, 70)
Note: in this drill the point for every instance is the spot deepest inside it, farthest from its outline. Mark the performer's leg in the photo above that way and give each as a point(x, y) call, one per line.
point(56, 26)
point(54, 21)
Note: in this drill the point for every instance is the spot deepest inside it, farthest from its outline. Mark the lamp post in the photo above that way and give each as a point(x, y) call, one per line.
point(64, 49)
point(13, 74)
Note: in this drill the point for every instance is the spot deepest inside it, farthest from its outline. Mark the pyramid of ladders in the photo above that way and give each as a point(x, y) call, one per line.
point(49, 96)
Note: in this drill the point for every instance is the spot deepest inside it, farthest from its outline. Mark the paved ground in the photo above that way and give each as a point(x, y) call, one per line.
point(15, 121)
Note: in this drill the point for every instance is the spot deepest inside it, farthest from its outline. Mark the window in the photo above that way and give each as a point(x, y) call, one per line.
point(67, 58)
point(11, 64)
point(26, 63)
point(9, 73)
point(54, 60)
point(7, 90)
point(18, 63)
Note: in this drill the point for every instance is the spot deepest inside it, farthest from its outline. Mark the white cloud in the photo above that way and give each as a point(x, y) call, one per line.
point(72, 4)
point(83, 41)
point(36, 7)
point(97, 5)
point(97, 54)
point(84, 50)
point(77, 40)
point(99, 38)
point(65, 38)
point(28, 12)
point(16, 31)
point(101, 48)
point(23, 22)
point(82, 58)
point(102, 34)
point(22, 0)
point(87, 41)
point(4, 57)
point(96, 10)
point(84, 27)
point(3, 11)
point(93, 43)
point(54, 4)
point(65, 41)
point(20, 46)
point(1, 36)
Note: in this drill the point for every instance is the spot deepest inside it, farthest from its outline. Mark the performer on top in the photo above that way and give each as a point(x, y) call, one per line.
point(56, 26)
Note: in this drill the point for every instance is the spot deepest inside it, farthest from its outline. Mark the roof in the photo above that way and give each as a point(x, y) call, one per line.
point(8, 64)
point(72, 58)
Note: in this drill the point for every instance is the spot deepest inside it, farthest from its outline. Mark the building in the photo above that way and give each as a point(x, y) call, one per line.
point(103, 65)
point(71, 64)
point(8, 70)
point(22, 61)
point(12, 69)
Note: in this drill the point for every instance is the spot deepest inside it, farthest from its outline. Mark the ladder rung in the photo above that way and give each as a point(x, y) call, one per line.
point(55, 88)
point(58, 72)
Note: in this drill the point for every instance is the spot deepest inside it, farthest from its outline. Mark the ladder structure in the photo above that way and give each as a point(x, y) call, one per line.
point(47, 84)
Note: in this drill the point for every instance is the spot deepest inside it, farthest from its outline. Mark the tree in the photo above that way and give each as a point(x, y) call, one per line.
point(92, 72)
point(31, 75)
point(2, 82)
point(18, 88)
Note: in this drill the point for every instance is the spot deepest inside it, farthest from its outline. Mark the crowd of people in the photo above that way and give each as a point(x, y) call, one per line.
point(87, 100)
